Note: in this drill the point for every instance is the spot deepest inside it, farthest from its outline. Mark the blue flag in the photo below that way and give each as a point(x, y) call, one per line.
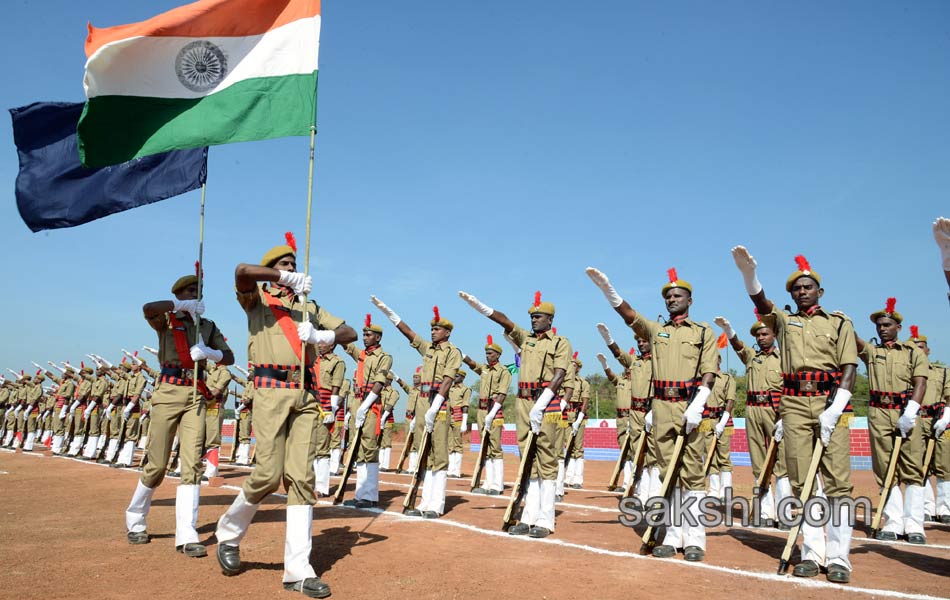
point(54, 190)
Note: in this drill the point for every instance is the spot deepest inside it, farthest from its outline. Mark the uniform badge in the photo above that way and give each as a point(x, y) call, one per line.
point(663, 335)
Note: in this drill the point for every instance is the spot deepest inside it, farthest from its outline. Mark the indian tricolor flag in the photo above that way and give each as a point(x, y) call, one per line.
point(211, 72)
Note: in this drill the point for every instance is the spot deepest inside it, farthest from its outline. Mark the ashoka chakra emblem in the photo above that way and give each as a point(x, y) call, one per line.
point(200, 66)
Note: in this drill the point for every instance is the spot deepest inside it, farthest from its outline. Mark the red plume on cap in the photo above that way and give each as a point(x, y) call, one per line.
point(490, 341)
point(369, 320)
point(123, 359)
point(82, 364)
point(225, 339)
point(633, 350)
point(136, 353)
point(418, 369)
point(291, 240)
point(38, 371)
point(21, 372)
point(537, 298)
point(914, 331)
point(435, 312)
point(802, 263)
point(197, 266)
point(574, 356)
point(671, 273)
point(889, 306)
point(755, 311)
point(554, 330)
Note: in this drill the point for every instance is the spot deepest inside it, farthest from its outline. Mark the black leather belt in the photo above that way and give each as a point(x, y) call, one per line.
point(182, 373)
point(282, 375)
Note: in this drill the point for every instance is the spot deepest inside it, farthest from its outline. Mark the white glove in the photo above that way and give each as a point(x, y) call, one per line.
point(390, 313)
point(433, 411)
point(72, 407)
point(829, 417)
point(908, 418)
point(476, 304)
point(200, 351)
point(239, 408)
point(601, 281)
point(62, 413)
point(491, 415)
point(648, 421)
point(465, 422)
point(128, 410)
point(602, 359)
point(721, 425)
point(779, 432)
point(577, 421)
point(364, 408)
point(941, 425)
point(383, 417)
point(346, 420)
point(300, 283)
point(694, 412)
point(309, 334)
point(605, 333)
point(747, 265)
point(412, 424)
point(192, 307)
point(328, 418)
point(942, 237)
point(109, 410)
point(16, 412)
point(563, 404)
point(536, 416)
point(726, 327)
point(334, 403)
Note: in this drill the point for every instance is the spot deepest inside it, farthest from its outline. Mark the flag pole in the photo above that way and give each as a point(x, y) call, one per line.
point(306, 258)
point(200, 274)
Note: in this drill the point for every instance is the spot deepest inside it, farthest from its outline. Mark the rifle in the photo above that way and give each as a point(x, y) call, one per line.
point(763, 482)
point(618, 468)
point(425, 446)
point(807, 487)
point(480, 461)
point(710, 453)
point(666, 490)
point(105, 424)
point(521, 483)
point(349, 465)
point(888, 483)
point(639, 454)
point(237, 428)
point(405, 449)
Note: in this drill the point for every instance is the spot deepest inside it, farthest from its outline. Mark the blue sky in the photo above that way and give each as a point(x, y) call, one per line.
point(500, 148)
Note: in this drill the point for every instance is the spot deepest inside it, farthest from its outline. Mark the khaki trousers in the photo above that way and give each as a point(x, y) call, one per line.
point(387, 439)
point(941, 459)
point(244, 428)
point(321, 439)
point(455, 437)
point(369, 450)
point(546, 455)
point(578, 441)
point(174, 410)
point(439, 453)
point(336, 442)
point(882, 427)
point(94, 424)
point(802, 430)
point(214, 418)
point(667, 424)
point(115, 420)
point(133, 428)
point(284, 421)
point(759, 426)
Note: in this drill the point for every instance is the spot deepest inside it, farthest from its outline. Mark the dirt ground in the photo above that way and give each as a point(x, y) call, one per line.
point(62, 535)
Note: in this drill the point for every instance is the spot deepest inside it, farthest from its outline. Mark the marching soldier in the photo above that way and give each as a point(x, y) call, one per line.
point(819, 361)
point(145, 404)
point(91, 413)
point(577, 416)
point(117, 396)
point(933, 419)
point(336, 435)
point(441, 362)
point(545, 362)
point(31, 413)
point(245, 418)
point(219, 378)
point(184, 341)
point(64, 395)
point(372, 365)
point(492, 392)
point(764, 385)
point(412, 408)
point(287, 409)
point(132, 413)
point(331, 373)
point(460, 395)
point(6, 409)
point(897, 378)
point(684, 368)
point(717, 423)
point(389, 397)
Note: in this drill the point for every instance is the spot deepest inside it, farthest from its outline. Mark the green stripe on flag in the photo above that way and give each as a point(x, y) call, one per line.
point(115, 129)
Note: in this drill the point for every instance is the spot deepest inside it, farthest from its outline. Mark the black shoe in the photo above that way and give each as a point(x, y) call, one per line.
point(694, 553)
point(916, 538)
point(559, 498)
point(174, 474)
point(193, 550)
point(229, 557)
point(366, 504)
point(539, 532)
point(838, 574)
point(479, 490)
point(311, 587)
point(412, 512)
point(931, 519)
point(885, 536)
point(945, 519)
point(664, 551)
point(783, 526)
point(806, 568)
point(430, 514)
point(576, 486)
point(769, 523)
point(493, 493)
point(138, 537)
point(350, 503)
point(519, 529)
point(102, 461)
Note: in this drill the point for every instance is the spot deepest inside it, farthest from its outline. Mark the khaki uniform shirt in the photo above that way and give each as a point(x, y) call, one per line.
point(413, 392)
point(817, 342)
point(266, 342)
point(938, 386)
point(723, 391)
point(119, 388)
point(4, 396)
point(137, 385)
point(167, 352)
point(459, 396)
point(438, 361)
point(680, 352)
point(495, 379)
point(376, 364)
point(892, 368)
point(84, 388)
point(389, 397)
point(67, 389)
point(99, 389)
point(219, 379)
point(541, 355)
point(332, 371)
point(763, 369)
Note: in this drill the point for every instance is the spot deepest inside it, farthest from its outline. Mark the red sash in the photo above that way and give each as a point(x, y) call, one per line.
point(287, 325)
point(184, 352)
point(360, 378)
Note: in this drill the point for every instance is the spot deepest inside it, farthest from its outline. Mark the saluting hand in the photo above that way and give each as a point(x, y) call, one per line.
point(601, 281)
point(942, 237)
point(605, 333)
point(726, 327)
point(195, 308)
point(747, 267)
point(390, 313)
point(602, 359)
point(300, 283)
point(476, 303)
